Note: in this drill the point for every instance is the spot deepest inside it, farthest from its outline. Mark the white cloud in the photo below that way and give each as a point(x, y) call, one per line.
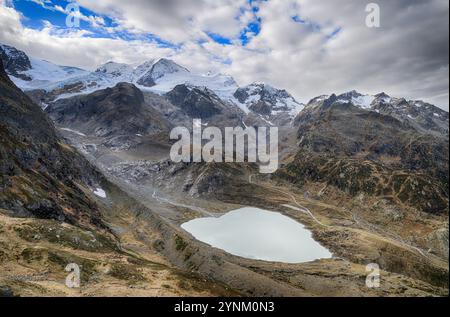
point(174, 20)
point(71, 47)
point(407, 56)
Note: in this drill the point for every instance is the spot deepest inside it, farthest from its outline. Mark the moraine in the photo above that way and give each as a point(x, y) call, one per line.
point(258, 234)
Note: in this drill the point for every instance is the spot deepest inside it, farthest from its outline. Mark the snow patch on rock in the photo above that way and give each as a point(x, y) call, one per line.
point(100, 193)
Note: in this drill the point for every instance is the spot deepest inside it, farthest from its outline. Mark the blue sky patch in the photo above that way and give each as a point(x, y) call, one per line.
point(219, 39)
point(35, 14)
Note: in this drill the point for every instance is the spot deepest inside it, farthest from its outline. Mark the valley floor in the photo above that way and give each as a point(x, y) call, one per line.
point(148, 254)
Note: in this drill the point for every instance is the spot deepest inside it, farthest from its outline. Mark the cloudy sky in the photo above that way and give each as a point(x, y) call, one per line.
point(308, 47)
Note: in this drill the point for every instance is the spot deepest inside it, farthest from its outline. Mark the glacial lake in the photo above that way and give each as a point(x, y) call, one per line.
point(258, 234)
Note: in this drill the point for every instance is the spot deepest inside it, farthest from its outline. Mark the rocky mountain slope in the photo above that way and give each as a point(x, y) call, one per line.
point(119, 115)
point(418, 114)
point(394, 147)
point(368, 175)
point(53, 212)
point(266, 100)
point(40, 175)
point(15, 62)
point(377, 154)
point(202, 103)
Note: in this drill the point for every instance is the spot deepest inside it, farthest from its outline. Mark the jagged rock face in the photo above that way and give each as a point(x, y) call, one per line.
point(368, 132)
point(146, 81)
point(354, 97)
point(112, 112)
point(359, 150)
point(21, 116)
point(196, 102)
point(266, 100)
point(170, 112)
point(15, 61)
point(261, 107)
point(421, 115)
point(418, 114)
point(40, 176)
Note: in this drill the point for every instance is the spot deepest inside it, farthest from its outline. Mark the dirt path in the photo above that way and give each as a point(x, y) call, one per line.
point(368, 227)
point(173, 203)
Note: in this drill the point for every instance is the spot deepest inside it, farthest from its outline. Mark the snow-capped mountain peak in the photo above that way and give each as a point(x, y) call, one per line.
point(14, 54)
point(383, 97)
point(165, 67)
point(143, 68)
point(114, 69)
point(267, 100)
point(158, 76)
point(357, 99)
point(15, 62)
point(162, 68)
point(32, 73)
point(419, 114)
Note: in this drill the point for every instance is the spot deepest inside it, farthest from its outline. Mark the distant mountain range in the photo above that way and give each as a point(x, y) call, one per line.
point(121, 104)
point(163, 75)
point(159, 76)
point(367, 173)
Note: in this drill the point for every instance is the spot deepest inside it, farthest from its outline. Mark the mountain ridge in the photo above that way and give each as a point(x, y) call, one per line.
point(163, 75)
point(38, 170)
point(369, 185)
